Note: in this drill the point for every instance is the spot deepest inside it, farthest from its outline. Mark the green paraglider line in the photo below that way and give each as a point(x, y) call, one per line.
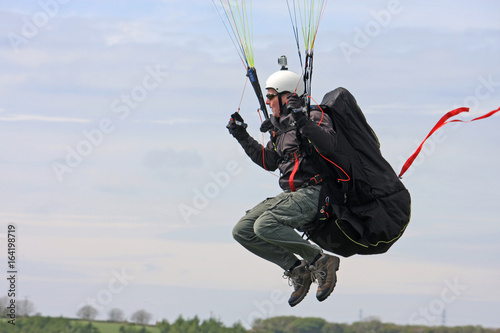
point(311, 12)
point(238, 23)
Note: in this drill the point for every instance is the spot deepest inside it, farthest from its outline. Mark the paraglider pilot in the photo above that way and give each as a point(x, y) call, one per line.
point(268, 229)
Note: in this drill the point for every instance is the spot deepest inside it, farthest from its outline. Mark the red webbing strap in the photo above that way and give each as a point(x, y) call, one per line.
point(443, 121)
point(295, 168)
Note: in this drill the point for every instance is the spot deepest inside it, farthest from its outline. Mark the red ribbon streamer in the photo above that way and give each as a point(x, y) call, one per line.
point(443, 121)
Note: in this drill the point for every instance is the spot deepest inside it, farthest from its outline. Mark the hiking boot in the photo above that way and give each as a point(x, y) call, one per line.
point(300, 278)
point(324, 272)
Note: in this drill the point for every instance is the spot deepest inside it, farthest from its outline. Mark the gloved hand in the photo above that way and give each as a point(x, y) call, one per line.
point(296, 107)
point(266, 125)
point(295, 102)
point(237, 127)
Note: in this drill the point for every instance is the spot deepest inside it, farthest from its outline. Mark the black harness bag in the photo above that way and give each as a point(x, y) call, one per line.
point(368, 211)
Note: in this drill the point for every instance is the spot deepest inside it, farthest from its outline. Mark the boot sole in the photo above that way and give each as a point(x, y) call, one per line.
point(336, 264)
point(298, 300)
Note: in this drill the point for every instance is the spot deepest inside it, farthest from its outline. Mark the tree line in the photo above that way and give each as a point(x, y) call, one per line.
point(285, 324)
point(26, 308)
point(89, 313)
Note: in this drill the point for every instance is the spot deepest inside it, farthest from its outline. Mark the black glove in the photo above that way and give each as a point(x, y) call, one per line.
point(237, 127)
point(295, 102)
point(296, 107)
point(266, 125)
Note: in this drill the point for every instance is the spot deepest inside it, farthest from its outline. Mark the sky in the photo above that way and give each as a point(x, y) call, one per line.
point(123, 184)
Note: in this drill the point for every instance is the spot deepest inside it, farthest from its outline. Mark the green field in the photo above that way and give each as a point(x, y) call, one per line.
point(108, 327)
point(60, 323)
point(270, 325)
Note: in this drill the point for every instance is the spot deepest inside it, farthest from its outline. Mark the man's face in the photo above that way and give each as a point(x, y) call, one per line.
point(273, 102)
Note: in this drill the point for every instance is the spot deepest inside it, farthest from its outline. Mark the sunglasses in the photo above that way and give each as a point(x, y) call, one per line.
point(271, 96)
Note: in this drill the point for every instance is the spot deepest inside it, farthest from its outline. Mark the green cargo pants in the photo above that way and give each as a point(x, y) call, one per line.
point(268, 229)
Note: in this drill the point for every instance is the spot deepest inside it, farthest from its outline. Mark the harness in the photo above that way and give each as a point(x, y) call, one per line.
point(304, 149)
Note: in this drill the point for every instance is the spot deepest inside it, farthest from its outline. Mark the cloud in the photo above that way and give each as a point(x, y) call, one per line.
point(28, 117)
point(172, 159)
point(177, 121)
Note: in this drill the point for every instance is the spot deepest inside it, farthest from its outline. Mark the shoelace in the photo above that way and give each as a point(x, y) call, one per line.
point(292, 282)
point(317, 275)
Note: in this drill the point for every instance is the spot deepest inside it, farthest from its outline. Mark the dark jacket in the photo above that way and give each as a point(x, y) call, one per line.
point(295, 165)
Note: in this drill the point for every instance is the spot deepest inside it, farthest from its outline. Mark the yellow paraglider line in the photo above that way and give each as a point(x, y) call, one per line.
point(238, 22)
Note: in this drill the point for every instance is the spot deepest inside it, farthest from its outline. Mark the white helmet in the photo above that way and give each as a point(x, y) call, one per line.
point(286, 81)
